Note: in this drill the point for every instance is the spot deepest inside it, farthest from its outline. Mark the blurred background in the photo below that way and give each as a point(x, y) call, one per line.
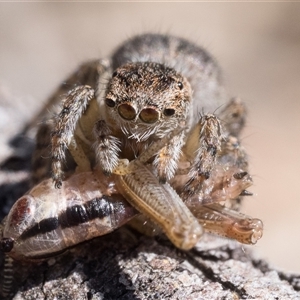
point(256, 44)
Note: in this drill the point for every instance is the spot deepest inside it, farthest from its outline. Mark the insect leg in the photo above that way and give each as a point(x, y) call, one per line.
point(222, 221)
point(7, 277)
point(161, 204)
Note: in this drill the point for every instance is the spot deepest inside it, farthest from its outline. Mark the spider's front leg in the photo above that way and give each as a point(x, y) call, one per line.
point(209, 144)
point(62, 136)
point(202, 147)
point(77, 131)
point(233, 118)
point(69, 133)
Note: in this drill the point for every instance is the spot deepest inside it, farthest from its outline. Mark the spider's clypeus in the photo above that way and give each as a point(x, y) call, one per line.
point(146, 121)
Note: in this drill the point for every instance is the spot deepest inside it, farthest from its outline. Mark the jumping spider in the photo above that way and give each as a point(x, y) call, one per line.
point(138, 127)
point(143, 116)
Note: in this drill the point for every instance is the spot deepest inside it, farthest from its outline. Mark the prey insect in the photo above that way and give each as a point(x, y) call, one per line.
point(46, 221)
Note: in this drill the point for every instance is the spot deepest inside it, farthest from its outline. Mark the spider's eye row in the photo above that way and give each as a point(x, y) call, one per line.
point(149, 115)
point(169, 112)
point(180, 85)
point(127, 111)
point(109, 102)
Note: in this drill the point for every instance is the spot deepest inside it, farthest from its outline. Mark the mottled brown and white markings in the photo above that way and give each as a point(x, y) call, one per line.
point(155, 117)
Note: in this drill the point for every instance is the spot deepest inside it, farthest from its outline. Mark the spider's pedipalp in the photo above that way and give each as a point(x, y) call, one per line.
point(106, 147)
point(167, 158)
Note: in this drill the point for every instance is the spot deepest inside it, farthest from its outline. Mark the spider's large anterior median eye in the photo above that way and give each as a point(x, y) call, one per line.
point(149, 115)
point(169, 112)
point(127, 111)
point(109, 102)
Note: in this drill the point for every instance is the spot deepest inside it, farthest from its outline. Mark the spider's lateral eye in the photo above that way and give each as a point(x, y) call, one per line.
point(180, 85)
point(169, 112)
point(127, 111)
point(114, 74)
point(149, 115)
point(109, 102)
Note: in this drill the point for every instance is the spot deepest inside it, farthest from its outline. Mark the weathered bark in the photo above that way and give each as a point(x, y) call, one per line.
point(126, 265)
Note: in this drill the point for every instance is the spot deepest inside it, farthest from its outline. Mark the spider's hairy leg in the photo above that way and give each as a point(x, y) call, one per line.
point(107, 147)
point(167, 158)
point(233, 116)
point(161, 204)
point(202, 147)
point(41, 159)
point(87, 74)
point(74, 106)
point(233, 153)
